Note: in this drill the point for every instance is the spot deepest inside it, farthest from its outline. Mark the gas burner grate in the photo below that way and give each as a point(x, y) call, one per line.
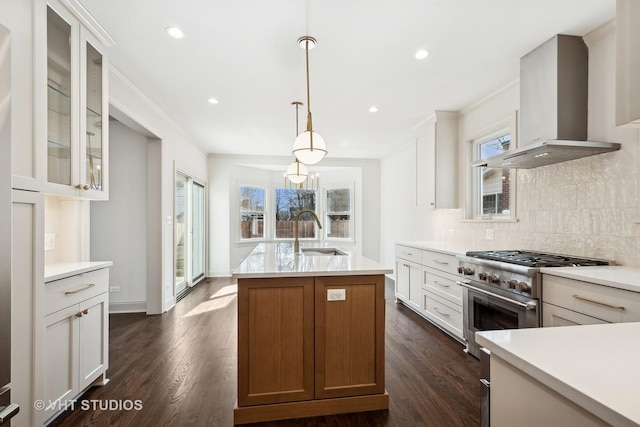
point(536, 259)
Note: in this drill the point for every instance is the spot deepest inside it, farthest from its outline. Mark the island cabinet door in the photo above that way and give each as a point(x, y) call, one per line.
point(349, 336)
point(275, 340)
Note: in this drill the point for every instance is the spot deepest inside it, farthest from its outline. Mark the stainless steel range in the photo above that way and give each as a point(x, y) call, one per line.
point(502, 289)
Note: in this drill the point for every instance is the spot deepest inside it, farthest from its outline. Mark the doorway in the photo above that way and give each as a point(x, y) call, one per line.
point(189, 233)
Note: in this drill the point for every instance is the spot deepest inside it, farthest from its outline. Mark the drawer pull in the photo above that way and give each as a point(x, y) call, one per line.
point(440, 284)
point(84, 288)
point(444, 314)
point(617, 307)
point(79, 314)
point(441, 262)
point(407, 253)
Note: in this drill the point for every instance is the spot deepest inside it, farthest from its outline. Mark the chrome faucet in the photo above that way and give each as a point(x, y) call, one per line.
point(296, 245)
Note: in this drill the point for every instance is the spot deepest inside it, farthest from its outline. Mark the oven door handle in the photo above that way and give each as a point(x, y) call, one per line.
point(528, 305)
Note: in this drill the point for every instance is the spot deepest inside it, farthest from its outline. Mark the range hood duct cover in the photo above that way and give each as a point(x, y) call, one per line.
point(553, 107)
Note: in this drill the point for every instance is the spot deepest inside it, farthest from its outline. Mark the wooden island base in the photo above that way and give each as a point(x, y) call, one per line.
point(310, 408)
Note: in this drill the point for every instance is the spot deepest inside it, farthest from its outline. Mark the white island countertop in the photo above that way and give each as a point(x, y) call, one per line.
point(616, 276)
point(279, 260)
point(62, 270)
point(595, 366)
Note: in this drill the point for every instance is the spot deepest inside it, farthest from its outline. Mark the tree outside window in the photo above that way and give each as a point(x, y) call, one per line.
point(288, 202)
point(251, 212)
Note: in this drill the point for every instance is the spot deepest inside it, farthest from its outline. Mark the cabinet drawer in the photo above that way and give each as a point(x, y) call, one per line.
point(442, 312)
point(439, 261)
point(408, 253)
point(602, 302)
point(75, 289)
point(443, 286)
point(557, 316)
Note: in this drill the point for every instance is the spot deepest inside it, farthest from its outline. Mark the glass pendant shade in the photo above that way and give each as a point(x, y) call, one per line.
point(303, 150)
point(297, 172)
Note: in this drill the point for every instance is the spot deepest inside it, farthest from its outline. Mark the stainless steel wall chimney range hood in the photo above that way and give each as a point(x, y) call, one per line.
point(553, 107)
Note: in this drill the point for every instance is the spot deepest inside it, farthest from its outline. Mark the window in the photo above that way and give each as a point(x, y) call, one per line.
point(338, 222)
point(288, 202)
point(251, 212)
point(493, 188)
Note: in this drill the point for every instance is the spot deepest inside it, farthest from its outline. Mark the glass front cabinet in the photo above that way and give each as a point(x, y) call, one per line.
point(77, 108)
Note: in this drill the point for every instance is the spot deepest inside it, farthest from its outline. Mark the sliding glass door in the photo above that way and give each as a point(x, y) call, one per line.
point(189, 233)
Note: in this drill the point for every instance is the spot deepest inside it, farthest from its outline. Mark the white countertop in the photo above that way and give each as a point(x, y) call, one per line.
point(616, 276)
point(595, 366)
point(278, 260)
point(61, 270)
point(442, 247)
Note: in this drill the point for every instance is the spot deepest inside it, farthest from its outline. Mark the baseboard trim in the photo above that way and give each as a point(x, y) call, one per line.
point(128, 307)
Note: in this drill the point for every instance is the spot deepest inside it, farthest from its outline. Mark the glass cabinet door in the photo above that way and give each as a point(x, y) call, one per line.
point(60, 96)
point(93, 167)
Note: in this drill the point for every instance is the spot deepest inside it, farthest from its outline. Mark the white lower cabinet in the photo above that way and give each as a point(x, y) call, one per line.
point(575, 302)
point(76, 338)
point(426, 283)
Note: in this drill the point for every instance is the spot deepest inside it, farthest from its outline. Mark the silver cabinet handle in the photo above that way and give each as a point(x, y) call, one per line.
point(606, 304)
point(441, 262)
point(8, 412)
point(444, 314)
point(440, 284)
point(407, 253)
point(84, 288)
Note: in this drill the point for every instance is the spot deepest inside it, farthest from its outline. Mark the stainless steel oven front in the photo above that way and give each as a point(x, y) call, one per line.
point(488, 308)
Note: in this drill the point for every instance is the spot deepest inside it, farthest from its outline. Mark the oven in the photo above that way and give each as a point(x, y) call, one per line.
point(502, 289)
point(486, 310)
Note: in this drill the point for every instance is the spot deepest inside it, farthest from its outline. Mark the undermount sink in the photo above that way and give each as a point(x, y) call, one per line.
point(322, 252)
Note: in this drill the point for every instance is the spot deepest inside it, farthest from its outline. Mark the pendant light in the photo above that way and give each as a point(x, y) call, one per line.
point(309, 147)
point(297, 172)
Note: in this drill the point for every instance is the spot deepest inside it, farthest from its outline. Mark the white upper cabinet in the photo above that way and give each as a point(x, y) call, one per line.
point(75, 124)
point(436, 161)
point(627, 62)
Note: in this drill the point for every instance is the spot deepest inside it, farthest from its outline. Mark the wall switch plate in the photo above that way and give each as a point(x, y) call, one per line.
point(114, 289)
point(169, 220)
point(49, 242)
point(488, 234)
point(336, 294)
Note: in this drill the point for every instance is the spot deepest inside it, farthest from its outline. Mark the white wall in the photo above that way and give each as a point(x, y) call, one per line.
point(177, 151)
point(119, 225)
point(226, 173)
point(583, 207)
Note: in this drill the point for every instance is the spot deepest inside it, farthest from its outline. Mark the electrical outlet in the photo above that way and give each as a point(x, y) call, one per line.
point(336, 294)
point(114, 289)
point(452, 232)
point(49, 242)
point(488, 234)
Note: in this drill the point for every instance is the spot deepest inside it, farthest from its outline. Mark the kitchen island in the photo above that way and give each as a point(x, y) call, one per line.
point(569, 376)
point(310, 334)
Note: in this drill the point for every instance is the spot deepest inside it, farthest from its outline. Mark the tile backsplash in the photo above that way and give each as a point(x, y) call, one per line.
point(588, 207)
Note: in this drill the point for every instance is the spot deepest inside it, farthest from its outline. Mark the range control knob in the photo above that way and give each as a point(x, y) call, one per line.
point(493, 278)
point(512, 283)
point(460, 270)
point(468, 271)
point(523, 287)
point(483, 276)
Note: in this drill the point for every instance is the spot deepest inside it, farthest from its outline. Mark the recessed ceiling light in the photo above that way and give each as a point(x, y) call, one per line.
point(373, 109)
point(213, 101)
point(175, 32)
point(421, 54)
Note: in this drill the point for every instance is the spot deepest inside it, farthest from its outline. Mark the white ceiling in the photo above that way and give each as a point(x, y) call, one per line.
point(244, 53)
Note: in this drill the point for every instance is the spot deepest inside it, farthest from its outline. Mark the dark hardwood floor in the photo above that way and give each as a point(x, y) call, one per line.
point(181, 367)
